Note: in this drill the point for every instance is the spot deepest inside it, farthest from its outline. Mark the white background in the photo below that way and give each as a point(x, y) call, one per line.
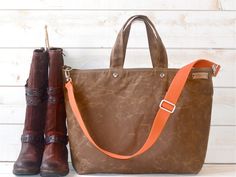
point(87, 29)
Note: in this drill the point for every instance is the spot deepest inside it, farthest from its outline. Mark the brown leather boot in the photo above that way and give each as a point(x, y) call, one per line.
point(30, 157)
point(55, 157)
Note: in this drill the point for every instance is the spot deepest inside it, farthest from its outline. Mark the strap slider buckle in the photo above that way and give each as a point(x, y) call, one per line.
point(165, 109)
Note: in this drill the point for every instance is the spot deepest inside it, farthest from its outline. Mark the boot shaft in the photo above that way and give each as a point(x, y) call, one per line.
point(55, 128)
point(56, 114)
point(36, 93)
point(56, 63)
point(38, 76)
point(45, 110)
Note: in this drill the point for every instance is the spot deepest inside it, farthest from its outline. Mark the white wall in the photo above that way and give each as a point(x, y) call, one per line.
point(87, 29)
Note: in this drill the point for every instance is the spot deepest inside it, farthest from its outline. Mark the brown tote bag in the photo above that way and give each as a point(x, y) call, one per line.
point(149, 120)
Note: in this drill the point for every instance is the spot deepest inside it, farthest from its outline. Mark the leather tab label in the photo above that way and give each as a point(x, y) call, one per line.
point(200, 75)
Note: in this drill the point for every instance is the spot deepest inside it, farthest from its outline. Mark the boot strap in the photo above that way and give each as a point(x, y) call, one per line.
point(56, 139)
point(30, 138)
point(34, 96)
point(55, 95)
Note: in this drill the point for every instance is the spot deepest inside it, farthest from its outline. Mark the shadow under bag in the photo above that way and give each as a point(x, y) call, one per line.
point(149, 120)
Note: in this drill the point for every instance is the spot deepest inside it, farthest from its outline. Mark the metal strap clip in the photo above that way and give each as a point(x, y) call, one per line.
point(215, 69)
point(67, 70)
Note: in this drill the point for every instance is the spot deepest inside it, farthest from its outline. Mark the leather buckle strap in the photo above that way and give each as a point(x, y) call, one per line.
point(55, 99)
point(34, 101)
point(34, 96)
point(31, 138)
point(55, 95)
point(55, 91)
point(34, 91)
point(56, 139)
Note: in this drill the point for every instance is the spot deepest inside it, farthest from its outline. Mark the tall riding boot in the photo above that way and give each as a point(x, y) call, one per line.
point(55, 157)
point(30, 157)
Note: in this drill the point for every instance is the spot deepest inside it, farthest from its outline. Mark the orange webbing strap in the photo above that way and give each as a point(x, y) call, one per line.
point(167, 106)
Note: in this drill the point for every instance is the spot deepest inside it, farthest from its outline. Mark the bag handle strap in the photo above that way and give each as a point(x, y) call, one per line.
point(156, 47)
point(167, 106)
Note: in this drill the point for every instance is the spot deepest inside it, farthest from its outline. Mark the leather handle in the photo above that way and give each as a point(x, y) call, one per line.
point(167, 106)
point(156, 47)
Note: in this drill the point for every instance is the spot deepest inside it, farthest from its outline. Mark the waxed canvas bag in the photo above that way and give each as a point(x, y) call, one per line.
point(149, 120)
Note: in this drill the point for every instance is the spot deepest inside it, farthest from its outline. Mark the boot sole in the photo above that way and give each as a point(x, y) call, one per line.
point(52, 174)
point(22, 171)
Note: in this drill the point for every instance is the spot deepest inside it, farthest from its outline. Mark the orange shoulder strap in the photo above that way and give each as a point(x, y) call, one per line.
point(167, 106)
